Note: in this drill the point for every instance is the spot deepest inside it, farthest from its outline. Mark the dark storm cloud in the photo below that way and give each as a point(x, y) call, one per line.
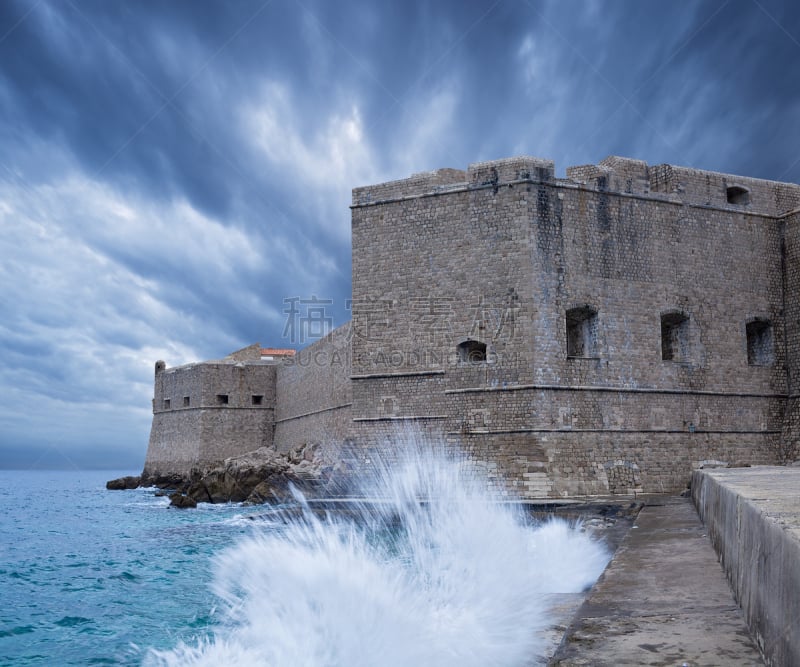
point(126, 87)
point(173, 172)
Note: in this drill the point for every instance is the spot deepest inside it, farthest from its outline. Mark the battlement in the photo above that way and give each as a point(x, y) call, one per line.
point(684, 185)
point(224, 384)
point(510, 170)
point(614, 174)
point(429, 182)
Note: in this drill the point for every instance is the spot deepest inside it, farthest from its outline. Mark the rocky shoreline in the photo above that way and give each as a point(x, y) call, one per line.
point(264, 475)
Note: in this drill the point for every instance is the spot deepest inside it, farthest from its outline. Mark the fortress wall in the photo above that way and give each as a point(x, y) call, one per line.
point(586, 409)
point(175, 440)
point(244, 422)
point(683, 185)
point(422, 283)
point(708, 188)
point(505, 266)
point(315, 393)
point(553, 442)
point(418, 184)
point(399, 396)
point(502, 261)
point(614, 173)
point(240, 382)
point(631, 260)
point(228, 432)
point(564, 463)
point(790, 448)
point(578, 463)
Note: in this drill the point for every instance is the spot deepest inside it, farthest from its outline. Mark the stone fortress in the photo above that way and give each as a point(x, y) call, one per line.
point(603, 333)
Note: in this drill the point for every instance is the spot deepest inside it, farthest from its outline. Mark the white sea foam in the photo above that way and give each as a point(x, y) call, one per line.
point(458, 579)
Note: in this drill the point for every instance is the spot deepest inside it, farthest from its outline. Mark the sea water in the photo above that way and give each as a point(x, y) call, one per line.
point(430, 571)
point(93, 577)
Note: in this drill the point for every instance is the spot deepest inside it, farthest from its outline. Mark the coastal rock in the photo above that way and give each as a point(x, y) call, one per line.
point(171, 481)
point(261, 476)
point(122, 483)
point(236, 478)
point(181, 501)
point(275, 489)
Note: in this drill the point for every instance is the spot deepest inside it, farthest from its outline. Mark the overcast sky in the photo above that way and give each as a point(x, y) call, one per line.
point(173, 174)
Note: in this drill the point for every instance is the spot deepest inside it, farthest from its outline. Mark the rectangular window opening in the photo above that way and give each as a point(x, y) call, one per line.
point(582, 332)
point(674, 337)
point(258, 399)
point(222, 399)
point(166, 403)
point(186, 401)
point(760, 346)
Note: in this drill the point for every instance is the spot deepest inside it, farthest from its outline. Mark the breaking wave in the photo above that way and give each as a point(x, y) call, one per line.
point(429, 571)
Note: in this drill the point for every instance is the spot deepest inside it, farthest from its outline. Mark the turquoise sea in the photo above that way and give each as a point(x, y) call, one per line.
point(96, 577)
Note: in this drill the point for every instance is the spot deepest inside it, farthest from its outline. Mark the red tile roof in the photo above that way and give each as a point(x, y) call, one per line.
point(276, 352)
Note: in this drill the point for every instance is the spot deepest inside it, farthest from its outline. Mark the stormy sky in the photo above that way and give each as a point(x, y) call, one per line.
point(175, 175)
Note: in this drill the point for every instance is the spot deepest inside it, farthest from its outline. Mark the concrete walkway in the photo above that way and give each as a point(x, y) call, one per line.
point(663, 600)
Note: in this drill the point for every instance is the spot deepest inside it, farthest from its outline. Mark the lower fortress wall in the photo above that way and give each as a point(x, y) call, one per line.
point(791, 265)
point(193, 438)
point(753, 520)
point(175, 441)
point(568, 463)
point(541, 441)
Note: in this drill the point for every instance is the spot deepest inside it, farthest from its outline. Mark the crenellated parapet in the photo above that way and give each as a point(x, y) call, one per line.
point(684, 185)
point(620, 175)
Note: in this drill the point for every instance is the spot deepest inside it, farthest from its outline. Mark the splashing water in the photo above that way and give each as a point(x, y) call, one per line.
point(457, 579)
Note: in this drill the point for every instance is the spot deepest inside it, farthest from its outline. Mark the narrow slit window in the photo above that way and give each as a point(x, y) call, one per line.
point(222, 399)
point(388, 406)
point(472, 351)
point(582, 332)
point(674, 336)
point(760, 345)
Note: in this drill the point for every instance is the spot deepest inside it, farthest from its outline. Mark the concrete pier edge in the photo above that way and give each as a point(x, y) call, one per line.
point(753, 520)
point(662, 600)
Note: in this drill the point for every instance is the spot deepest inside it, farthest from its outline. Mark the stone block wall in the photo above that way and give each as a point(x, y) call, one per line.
point(790, 443)
point(501, 259)
point(175, 441)
point(315, 393)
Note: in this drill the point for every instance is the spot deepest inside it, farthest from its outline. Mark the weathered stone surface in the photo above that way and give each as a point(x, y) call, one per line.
point(264, 475)
point(165, 481)
point(121, 483)
point(182, 501)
